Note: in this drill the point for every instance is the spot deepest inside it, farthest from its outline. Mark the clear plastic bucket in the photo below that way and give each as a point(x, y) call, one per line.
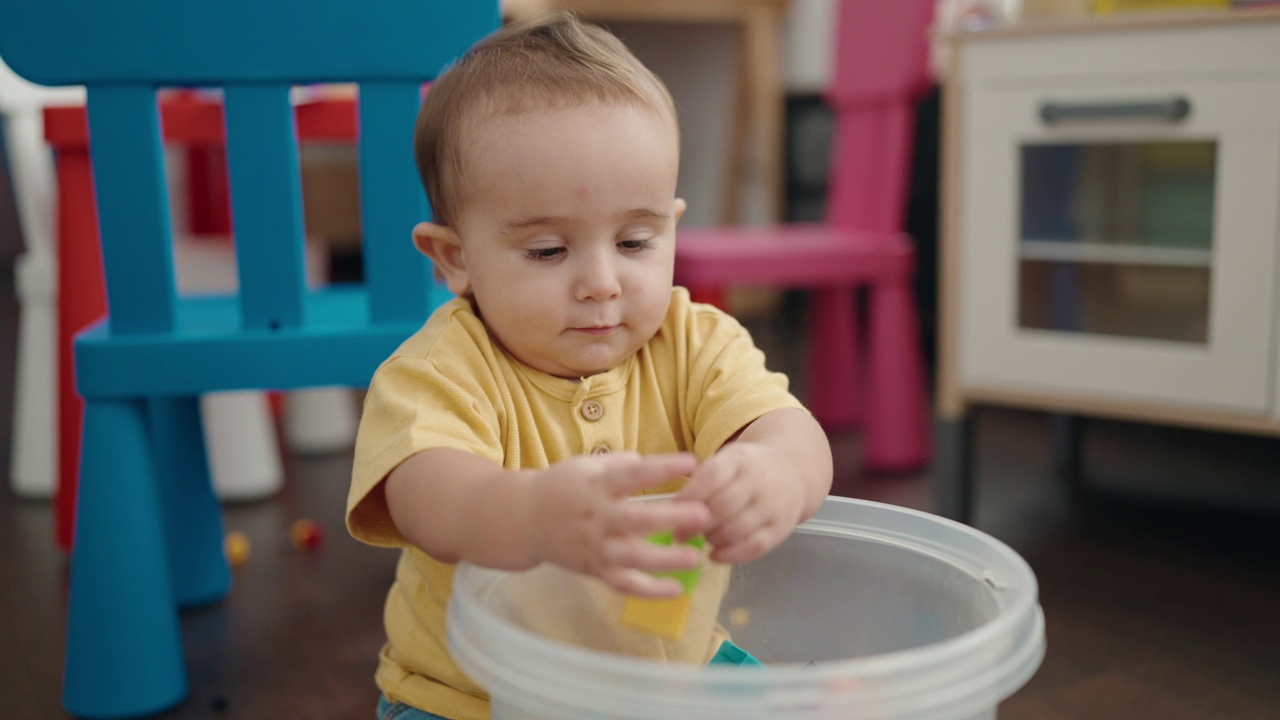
point(867, 611)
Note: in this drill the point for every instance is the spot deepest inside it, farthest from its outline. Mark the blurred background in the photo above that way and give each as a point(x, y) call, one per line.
point(1091, 190)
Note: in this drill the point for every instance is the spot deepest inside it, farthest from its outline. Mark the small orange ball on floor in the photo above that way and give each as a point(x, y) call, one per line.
point(236, 546)
point(306, 534)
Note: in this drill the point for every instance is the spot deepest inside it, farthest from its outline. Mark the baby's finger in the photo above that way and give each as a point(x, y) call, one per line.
point(630, 475)
point(728, 529)
point(707, 479)
point(635, 552)
point(629, 581)
point(640, 517)
point(697, 523)
point(733, 500)
point(748, 548)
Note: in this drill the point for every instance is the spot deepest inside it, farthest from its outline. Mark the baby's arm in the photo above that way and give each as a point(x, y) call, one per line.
point(772, 477)
point(454, 505)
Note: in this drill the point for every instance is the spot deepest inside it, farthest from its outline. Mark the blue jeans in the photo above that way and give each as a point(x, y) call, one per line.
point(388, 710)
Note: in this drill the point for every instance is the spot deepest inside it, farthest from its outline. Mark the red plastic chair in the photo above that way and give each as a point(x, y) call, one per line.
point(880, 74)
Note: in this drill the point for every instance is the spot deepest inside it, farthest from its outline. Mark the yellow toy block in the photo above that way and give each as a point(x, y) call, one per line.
point(666, 616)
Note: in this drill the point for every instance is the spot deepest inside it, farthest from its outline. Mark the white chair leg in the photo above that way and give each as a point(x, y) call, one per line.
point(33, 463)
point(320, 420)
point(33, 470)
point(240, 439)
point(240, 434)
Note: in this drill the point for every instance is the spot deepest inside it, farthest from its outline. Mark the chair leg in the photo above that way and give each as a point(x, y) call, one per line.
point(34, 448)
point(241, 442)
point(710, 296)
point(320, 420)
point(124, 646)
point(34, 436)
point(832, 393)
point(897, 424)
point(193, 517)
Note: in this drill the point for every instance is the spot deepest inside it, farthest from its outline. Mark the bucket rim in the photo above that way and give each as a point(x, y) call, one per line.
point(1014, 637)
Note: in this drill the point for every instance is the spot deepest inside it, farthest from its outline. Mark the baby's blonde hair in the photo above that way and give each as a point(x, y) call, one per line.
point(550, 61)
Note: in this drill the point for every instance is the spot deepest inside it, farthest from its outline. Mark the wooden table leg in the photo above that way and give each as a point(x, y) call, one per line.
point(762, 47)
point(739, 138)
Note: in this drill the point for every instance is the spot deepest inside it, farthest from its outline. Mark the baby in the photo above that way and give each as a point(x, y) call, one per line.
point(568, 375)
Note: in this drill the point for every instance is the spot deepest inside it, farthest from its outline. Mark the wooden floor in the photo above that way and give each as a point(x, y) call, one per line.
point(1160, 583)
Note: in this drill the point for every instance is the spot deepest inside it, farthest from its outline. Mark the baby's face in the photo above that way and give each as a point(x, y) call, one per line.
point(567, 221)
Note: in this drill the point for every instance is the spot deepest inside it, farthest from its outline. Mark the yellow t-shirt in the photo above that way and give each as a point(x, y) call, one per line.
point(692, 387)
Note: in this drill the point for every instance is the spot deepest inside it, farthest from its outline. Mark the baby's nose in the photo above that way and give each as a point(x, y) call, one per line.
point(598, 280)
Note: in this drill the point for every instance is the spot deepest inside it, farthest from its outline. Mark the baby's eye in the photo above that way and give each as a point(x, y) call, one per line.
point(636, 245)
point(542, 254)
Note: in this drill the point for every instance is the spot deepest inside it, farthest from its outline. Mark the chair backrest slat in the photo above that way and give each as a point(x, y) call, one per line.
point(881, 51)
point(217, 42)
point(881, 70)
point(871, 167)
point(266, 205)
point(124, 126)
point(391, 201)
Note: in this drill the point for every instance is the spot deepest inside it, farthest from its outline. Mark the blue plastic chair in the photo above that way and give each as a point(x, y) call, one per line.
point(149, 531)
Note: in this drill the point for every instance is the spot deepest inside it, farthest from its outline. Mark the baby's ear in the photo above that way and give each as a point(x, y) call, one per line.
point(680, 207)
point(444, 247)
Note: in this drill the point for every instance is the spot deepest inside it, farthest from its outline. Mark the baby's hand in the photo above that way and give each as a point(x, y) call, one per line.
point(754, 502)
point(582, 519)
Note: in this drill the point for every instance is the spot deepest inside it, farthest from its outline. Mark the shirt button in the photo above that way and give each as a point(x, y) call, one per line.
point(600, 450)
point(592, 410)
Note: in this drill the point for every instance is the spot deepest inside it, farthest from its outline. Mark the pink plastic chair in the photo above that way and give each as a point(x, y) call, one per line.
point(881, 72)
